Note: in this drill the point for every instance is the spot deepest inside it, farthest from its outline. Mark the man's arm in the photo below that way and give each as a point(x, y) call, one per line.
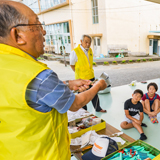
point(73, 67)
point(85, 97)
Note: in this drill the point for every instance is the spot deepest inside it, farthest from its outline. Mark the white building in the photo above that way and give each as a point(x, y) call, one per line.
point(113, 24)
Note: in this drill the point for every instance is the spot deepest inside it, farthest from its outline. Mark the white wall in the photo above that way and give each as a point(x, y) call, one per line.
point(57, 15)
point(130, 22)
point(79, 16)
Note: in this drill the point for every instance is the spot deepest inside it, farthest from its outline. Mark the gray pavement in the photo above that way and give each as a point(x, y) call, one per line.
point(120, 74)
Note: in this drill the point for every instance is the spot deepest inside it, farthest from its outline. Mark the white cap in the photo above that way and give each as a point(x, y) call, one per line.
point(100, 147)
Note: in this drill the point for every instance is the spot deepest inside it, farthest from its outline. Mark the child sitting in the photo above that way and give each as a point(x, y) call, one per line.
point(134, 114)
point(150, 102)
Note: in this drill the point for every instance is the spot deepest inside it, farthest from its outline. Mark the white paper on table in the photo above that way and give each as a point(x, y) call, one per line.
point(92, 138)
point(117, 134)
point(78, 114)
point(77, 141)
point(85, 138)
point(119, 139)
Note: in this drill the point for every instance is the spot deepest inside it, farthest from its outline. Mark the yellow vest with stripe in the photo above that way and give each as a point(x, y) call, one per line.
point(27, 134)
point(83, 67)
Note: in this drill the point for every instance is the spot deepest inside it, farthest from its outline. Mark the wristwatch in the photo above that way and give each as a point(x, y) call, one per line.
point(67, 83)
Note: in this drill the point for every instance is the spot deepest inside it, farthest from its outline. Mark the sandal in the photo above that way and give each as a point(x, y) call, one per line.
point(102, 110)
point(152, 119)
point(156, 120)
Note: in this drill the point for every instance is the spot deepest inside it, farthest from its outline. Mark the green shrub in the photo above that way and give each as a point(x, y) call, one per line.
point(130, 61)
point(40, 58)
point(114, 62)
point(105, 63)
point(94, 63)
point(150, 59)
point(124, 61)
point(138, 60)
point(144, 60)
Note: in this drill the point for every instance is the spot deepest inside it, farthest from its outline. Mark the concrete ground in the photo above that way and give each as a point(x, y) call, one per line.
point(120, 74)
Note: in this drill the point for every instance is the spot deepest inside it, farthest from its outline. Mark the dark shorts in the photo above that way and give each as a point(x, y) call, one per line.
point(151, 102)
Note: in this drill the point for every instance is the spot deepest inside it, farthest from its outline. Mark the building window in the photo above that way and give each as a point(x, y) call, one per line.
point(58, 35)
point(150, 42)
point(46, 4)
point(66, 27)
point(98, 42)
point(95, 11)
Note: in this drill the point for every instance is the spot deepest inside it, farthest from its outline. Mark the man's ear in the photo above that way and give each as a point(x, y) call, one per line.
point(17, 36)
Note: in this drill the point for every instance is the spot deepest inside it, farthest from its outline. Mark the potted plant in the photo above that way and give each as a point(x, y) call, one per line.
point(106, 63)
point(138, 60)
point(144, 60)
point(40, 58)
point(114, 62)
point(94, 64)
point(123, 62)
point(130, 61)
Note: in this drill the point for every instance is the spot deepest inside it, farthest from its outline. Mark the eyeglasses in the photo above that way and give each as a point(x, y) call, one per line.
point(42, 24)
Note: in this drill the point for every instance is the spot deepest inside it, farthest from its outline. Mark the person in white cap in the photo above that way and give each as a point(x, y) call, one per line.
point(103, 146)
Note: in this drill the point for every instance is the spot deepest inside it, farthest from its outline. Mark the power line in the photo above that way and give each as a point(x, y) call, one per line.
point(91, 8)
point(104, 11)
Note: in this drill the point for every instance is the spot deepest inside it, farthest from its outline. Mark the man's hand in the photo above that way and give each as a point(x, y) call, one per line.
point(83, 98)
point(101, 83)
point(79, 84)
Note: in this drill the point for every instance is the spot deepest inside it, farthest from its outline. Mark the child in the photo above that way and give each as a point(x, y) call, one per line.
point(134, 113)
point(150, 102)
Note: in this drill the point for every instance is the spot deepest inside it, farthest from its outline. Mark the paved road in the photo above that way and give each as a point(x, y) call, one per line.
point(120, 74)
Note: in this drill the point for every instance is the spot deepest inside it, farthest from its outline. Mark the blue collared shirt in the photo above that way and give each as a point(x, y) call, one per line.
point(46, 91)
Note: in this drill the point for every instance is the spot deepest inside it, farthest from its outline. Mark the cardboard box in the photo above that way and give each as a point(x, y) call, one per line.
point(96, 127)
point(147, 147)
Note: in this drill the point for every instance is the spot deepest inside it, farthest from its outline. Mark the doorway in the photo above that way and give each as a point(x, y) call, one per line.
point(154, 47)
point(97, 46)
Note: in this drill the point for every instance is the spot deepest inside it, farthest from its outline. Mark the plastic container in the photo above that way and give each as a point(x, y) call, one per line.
point(106, 90)
point(151, 149)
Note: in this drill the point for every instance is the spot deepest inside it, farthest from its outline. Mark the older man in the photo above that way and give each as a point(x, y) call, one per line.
point(34, 102)
point(81, 62)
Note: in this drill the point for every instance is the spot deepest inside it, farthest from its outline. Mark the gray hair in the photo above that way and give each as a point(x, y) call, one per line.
point(9, 17)
point(85, 35)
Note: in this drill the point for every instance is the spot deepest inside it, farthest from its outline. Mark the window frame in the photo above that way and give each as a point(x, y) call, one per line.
point(95, 17)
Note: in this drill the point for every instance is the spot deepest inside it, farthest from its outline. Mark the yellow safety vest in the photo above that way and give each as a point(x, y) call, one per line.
point(83, 68)
point(27, 134)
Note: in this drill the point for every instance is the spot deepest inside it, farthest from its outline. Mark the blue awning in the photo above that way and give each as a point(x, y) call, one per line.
point(154, 31)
